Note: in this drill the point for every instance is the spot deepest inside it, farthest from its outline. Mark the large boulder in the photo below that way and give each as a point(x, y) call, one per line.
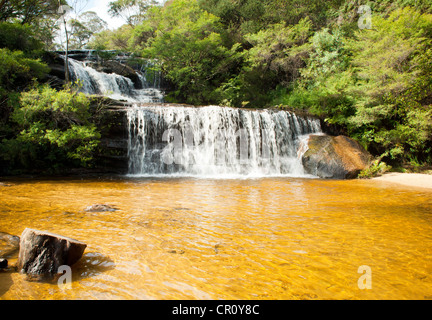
point(42, 253)
point(335, 157)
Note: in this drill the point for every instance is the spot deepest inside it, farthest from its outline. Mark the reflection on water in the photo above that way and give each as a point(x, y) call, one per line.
point(228, 239)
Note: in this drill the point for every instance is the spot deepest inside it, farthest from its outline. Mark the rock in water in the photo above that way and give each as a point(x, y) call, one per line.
point(9, 244)
point(335, 157)
point(42, 253)
point(100, 208)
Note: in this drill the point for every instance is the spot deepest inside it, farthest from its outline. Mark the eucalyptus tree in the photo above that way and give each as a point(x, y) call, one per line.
point(84, 27)
point(131, 11)
point(28, 11)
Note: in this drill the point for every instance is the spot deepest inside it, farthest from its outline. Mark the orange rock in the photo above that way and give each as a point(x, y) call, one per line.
point(335, 157)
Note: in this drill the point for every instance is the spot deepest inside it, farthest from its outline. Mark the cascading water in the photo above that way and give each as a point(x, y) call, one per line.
point(216, 141)
point(210, 141)
point(113, 85)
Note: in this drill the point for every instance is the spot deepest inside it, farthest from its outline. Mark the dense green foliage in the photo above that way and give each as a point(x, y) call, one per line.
point(112, 39)
point(131, 11)
point(40, 15)
point(375, 84)
point(188, 40)
point(19, 37)
point(27, 11)
point(41, 129)
point(54, 130)
point(18, 69)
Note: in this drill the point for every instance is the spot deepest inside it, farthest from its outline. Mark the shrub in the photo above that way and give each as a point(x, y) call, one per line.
point(18, 70)
point(55, 129)
point(377, 168)
point(16, 36)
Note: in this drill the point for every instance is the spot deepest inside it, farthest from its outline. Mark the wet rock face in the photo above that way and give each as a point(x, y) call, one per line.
point(42, 253)
point(9, 244)
point(57, 65)
point(111, 66)
point(335, 157)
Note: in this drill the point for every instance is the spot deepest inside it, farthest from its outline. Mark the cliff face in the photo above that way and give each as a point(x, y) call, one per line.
point(112, 155)
point(111, 66)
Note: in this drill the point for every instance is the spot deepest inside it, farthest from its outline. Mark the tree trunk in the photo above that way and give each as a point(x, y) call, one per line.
point(67, 77)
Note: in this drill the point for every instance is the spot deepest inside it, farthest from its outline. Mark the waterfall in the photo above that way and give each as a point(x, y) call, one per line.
point(216, 141)
point(113, 85)
point(212, 141)
point(150, 76)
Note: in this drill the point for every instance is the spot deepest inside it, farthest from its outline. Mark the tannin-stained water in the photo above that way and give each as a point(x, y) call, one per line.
point(267, 238)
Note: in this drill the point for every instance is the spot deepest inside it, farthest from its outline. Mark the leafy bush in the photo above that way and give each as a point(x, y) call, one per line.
point(16, 69)
point(16, 36)
point(280, 49)
point(16, 74)
point(55, 130)
point(377, 168)
point(393, 85)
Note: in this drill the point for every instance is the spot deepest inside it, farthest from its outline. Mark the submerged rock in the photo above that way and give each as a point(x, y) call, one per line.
point(335, 157)
point(9, 244)
point(42, 253)
point(2, 184)
point(100, 208)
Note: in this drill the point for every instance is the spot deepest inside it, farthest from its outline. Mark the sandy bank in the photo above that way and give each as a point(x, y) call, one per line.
point(408, 179)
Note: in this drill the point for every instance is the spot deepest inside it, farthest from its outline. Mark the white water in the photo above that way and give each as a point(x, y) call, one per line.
point(216, 142)
point(205, 142)
point(113, 85)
